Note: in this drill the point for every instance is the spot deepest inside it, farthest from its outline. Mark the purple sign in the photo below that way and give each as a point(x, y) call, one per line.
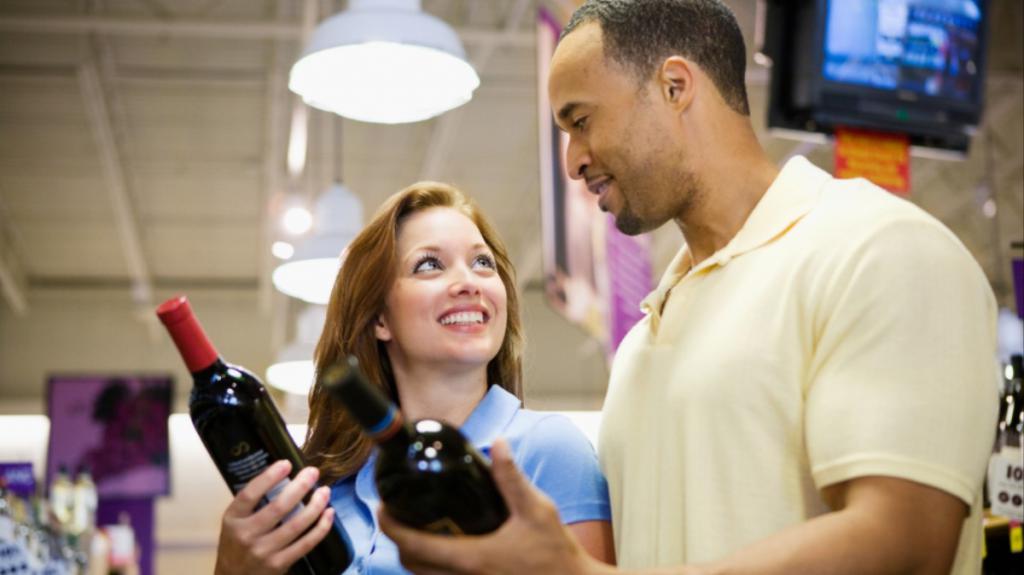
point(629, 278)
point(1018, 285)
point(116, 427)
point(19, 478)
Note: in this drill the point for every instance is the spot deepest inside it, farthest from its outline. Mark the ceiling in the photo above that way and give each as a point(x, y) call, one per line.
point(142, 154)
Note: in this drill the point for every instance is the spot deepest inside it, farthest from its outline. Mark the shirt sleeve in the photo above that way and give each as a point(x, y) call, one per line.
point(559, 459)
point(902, 378)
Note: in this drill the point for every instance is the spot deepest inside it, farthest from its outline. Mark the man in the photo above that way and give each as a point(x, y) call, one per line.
point(811, 390)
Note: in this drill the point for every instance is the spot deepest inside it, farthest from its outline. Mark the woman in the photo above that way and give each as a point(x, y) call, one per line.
point(426, 301)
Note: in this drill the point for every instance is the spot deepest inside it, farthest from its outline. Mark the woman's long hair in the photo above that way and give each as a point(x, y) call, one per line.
point(334, 441)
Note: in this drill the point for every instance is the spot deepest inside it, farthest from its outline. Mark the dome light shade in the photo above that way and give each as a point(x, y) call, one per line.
point(310, 273)
point(294, 370)
point(384, 61)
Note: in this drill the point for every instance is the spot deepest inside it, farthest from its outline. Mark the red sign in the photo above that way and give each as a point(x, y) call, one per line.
point(884, 159)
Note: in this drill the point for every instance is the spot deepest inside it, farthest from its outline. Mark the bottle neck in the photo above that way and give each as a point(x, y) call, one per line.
point(390, 431)
point(195, 347)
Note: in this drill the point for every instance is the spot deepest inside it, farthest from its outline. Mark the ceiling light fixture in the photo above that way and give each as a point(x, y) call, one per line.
point(309, 274)
point(293, 371)
point(384, 61)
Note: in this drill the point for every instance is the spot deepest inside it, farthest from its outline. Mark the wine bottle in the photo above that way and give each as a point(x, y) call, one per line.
point(428, 476)
point(241, 427)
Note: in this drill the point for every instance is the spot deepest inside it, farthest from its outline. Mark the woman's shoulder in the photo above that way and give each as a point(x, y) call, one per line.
point(542, 435)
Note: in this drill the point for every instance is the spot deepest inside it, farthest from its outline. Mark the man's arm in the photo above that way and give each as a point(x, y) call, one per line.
point(880, 525)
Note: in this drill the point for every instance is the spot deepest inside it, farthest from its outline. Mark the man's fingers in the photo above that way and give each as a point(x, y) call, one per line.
point(290, 530)
point(284, 502)
point(288, 556)
point(250, 496)
point(515, 488)
point(423, 552)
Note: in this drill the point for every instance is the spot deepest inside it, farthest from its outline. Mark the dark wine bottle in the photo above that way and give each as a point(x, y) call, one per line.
point(428, 476)
point(241, 427)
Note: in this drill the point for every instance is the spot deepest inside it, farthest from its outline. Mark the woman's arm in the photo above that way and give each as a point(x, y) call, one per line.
point(596, 538)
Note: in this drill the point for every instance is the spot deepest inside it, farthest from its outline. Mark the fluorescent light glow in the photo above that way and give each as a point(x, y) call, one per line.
point(297, 140)
point(384, 61)
point(282, 250)
point(310, 280)
point(297, 220)
point(292, 376)
point(386, 83)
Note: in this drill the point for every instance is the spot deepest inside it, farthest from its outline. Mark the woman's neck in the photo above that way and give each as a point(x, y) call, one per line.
point(428, 393)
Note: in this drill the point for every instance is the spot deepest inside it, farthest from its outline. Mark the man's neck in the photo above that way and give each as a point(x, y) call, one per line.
point(732, 182)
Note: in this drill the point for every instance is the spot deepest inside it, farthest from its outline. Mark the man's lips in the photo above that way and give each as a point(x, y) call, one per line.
point(600, 187)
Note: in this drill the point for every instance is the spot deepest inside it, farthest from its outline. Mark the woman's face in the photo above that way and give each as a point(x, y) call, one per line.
point(447, 306)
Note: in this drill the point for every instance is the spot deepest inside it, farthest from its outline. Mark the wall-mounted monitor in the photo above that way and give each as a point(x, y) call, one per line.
point(915, 67)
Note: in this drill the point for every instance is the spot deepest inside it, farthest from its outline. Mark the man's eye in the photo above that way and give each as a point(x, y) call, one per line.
point(426, 263)
point(580, 123)
point(485, 261)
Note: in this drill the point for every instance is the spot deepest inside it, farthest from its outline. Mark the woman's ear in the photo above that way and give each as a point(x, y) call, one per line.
point(380, 328)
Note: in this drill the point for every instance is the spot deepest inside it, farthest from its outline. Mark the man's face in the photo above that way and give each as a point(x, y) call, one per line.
point(618, 136)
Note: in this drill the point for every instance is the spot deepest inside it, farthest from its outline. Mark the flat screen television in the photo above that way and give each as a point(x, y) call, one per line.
point(914, 67)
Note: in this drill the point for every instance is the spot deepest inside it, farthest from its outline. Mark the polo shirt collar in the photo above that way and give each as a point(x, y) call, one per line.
point(790, 197)
point(491, 416)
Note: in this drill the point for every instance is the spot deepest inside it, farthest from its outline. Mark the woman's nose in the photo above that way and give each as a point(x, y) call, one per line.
point(464, 281)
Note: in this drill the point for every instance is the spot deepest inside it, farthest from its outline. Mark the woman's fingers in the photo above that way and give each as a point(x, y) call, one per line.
point(289, 555)
point(290, 530)
point(246, 500)
point(284, 502)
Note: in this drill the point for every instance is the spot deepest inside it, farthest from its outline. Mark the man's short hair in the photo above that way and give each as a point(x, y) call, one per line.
point(640, 34)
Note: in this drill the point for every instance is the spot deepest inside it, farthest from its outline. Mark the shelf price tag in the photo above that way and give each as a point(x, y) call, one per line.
point(1016, 538)
point(1006, 485)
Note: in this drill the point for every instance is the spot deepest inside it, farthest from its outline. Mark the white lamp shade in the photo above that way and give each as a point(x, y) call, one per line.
point(293, 371)
point(384, 61)
point(310, 274)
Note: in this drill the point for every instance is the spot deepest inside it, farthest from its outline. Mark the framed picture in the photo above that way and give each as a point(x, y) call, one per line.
point(113, 426)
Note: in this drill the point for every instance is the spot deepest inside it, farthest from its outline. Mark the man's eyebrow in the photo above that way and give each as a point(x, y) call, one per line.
point(565, 113)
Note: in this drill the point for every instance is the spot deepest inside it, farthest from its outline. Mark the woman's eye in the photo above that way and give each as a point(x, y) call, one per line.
point(580, 123)
point(427, 263)
point(485, 261)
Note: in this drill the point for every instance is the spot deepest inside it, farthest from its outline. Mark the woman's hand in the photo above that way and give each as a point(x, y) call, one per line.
point(257, 542)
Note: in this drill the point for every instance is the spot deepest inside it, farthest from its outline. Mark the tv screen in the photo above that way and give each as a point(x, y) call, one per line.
point(906, 66)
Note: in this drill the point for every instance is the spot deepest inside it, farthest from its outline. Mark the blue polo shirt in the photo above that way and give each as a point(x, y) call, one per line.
point(548, 448)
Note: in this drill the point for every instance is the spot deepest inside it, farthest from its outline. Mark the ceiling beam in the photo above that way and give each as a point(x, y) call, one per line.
point(222, 29)
point(103, 130)
point(447, 125)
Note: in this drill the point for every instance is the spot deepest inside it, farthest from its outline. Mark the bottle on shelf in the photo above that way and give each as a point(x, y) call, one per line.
point(241, 427)
point(84, 502)
point(61, 497)
point(428, 475)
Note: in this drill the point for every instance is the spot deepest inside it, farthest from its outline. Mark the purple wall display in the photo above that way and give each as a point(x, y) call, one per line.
point(19, 478)
point(594, 275)
point(114, 426)
point(629, 278)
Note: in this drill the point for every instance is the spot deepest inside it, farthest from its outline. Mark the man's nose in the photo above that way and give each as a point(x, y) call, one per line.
point(577, 159)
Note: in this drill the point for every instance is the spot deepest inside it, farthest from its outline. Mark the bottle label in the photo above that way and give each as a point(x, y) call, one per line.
point(245, 464)
point(1006, 484)
point(443, 526)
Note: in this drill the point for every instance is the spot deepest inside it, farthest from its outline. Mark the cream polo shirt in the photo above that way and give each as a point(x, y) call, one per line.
point(843, 332)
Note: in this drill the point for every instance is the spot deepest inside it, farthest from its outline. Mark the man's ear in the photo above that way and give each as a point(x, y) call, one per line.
point(675, 78)
point(381, 329)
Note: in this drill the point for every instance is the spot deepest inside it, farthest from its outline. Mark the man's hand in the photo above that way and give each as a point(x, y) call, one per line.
point(532, 540)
